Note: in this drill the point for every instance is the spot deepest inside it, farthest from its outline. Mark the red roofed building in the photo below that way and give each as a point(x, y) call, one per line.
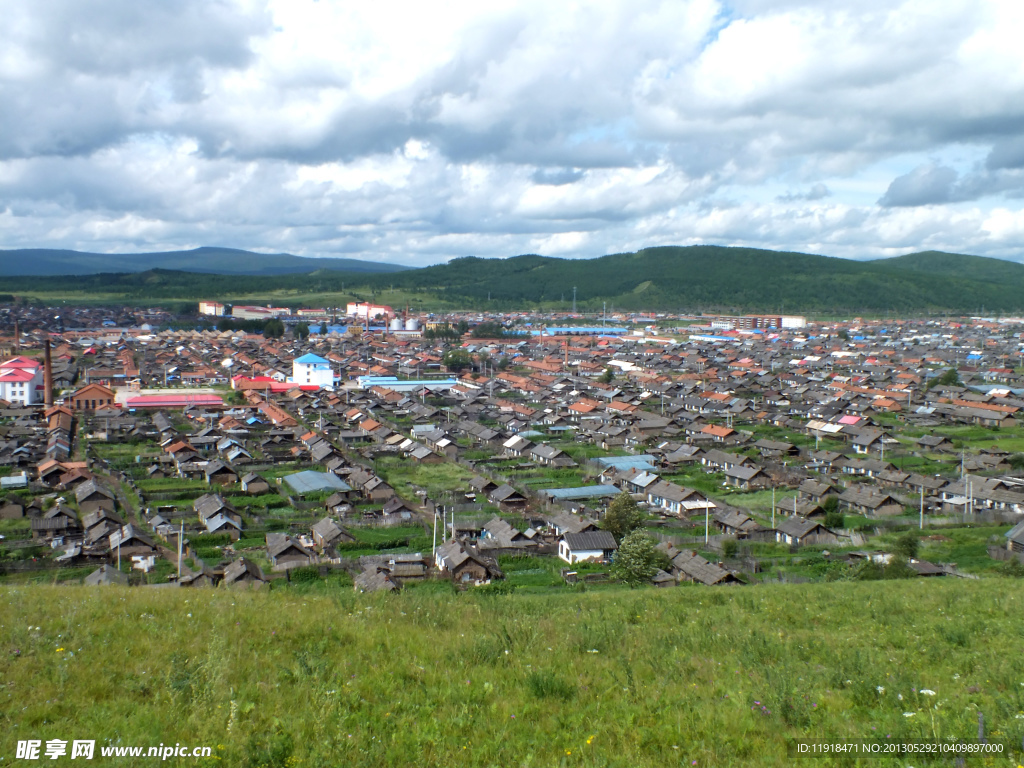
point(21, 381)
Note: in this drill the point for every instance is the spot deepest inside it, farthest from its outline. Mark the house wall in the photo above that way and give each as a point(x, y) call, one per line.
point(469, 571)
point(579, 556)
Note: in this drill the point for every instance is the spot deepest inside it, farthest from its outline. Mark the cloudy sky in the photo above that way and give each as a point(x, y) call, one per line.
point(415, 132)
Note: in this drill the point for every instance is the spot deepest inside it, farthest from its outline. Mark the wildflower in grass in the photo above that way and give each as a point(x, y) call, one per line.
point(909, 714)
point(927, 692)
point(60, 650)
point(880, 688)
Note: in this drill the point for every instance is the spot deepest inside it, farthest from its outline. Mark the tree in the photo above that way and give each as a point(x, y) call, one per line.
point(302, 331)
point(636, 560)
point(488, 330)
point(1016, 461)
point(623, 516)
point(949, 378)
point(323, 329)
point(457, 359)
point(907, 545)
point(274, 329)
point(834, 517)
point(608, 376)
point(843, 334)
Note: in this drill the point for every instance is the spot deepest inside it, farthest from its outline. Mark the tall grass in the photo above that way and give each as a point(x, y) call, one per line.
point(649, 677)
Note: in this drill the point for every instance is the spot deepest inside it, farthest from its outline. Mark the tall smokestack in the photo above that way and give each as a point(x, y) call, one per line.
point(47, 376)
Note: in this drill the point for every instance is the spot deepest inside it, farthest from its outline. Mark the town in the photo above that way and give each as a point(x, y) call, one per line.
point(384, 449)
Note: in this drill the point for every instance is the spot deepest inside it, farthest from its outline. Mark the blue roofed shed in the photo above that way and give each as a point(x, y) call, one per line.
point(586, 492)
point(313, 482)
point(622, 463)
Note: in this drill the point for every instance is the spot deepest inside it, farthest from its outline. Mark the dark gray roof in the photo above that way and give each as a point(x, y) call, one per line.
point(591, 541)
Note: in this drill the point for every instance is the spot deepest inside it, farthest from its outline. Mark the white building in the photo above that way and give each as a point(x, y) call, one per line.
point(259, 313)
point(365, 311)
point(21, 381)
point(312, 370)
point(589, 546)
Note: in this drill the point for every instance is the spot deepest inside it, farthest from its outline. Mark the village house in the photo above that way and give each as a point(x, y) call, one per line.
point(588, 546)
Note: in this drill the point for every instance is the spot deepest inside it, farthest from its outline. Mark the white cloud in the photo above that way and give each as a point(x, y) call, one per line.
point(415, 132)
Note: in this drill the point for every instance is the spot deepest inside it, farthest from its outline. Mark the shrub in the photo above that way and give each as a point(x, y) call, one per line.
point(729, 548)
point(835, 519)
point(305, 575)
point(1012, 568)
point(495, 588)
point(907, 545)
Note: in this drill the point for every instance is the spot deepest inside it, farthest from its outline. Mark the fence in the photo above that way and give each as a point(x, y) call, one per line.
point(714, 543)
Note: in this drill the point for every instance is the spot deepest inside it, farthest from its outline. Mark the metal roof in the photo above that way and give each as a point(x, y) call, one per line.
point(311, 359)
point(642, 461)
point(310, 482)
point(587, 492)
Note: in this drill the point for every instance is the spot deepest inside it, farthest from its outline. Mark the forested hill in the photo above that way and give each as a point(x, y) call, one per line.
point(739, 278)
point(220, 261)
point(698, 278)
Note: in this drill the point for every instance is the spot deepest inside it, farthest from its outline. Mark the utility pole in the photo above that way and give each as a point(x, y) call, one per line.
point(181, 536)
point(773, 506)
point(574, 299)
point(707, 520)
point(921, 526)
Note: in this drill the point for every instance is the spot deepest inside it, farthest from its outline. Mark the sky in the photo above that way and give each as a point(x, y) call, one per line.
point(414, 132)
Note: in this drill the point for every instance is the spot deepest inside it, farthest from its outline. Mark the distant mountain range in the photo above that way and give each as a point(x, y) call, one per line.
point(218, 261)
point(695, 278)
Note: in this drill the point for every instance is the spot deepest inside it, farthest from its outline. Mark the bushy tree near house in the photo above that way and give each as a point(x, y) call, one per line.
point(636, 560)
point(623, 516)
point(834, 517)
point(907, 545)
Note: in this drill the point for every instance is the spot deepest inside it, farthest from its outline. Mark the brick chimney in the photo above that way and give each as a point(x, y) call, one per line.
point(47, 376)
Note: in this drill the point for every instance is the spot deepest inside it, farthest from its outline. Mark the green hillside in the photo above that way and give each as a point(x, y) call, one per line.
point(955, 265)
point(697, 278)
point(709, 277)
point(225, 261)
point(316, 675)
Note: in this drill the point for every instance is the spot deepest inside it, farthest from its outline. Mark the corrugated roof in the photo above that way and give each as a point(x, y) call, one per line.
point(643, 461)
point(310, 482)
point(586, 492)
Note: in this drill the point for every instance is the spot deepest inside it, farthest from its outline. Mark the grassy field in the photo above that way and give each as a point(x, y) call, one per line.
point(686, 676)
point(407, 477)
